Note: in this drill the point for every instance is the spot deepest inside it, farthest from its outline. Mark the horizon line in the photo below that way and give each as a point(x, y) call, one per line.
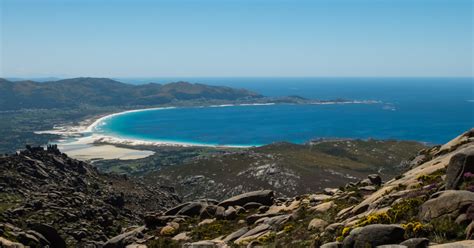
point(165, 77)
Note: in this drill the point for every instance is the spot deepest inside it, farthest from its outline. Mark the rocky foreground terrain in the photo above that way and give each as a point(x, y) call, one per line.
point(431, 204)
point(47, 198)
point(287, 168)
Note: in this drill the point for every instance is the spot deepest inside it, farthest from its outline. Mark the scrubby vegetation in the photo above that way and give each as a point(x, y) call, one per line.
point(290, 169)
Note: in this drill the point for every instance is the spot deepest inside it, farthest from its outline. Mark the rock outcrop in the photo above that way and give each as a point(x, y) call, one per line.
point(264, 197)
point(374, 235)
point(449, 203)
point(47, 198)
point(460, 165)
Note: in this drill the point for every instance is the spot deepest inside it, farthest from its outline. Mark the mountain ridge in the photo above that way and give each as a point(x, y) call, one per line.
point(74, 92)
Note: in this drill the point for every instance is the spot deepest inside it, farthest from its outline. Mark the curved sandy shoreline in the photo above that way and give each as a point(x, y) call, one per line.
point(88, 145)
point(133, 141)
point(130, 141)
point(91, 127)
point(82, 142)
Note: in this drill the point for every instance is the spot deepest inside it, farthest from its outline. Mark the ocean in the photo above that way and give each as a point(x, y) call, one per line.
point(431, 110)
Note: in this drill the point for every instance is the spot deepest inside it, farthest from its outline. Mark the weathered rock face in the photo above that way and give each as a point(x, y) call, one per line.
point(252, 234)
point(375, 179)
point(50, 234)
point(174, 210)
point(181, 237)
point(230, 213)
point(205, 244)
point(10, 244)
point(323, 207)
point(192, 209)
point(374, 235)
point(335, 244)
point(459, 244)
point(317, 224)
point(449, 202)
point(264, 197)
point(235, 235)
point(157, 220)
point(459, 165)
point(416, 243)
point(123, 239)
point(208, 211)
point(59, 201)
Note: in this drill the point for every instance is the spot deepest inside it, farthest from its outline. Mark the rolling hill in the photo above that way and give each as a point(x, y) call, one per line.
point(102, 92)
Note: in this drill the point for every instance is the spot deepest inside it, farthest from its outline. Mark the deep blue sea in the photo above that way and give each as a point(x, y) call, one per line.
point(432, 110)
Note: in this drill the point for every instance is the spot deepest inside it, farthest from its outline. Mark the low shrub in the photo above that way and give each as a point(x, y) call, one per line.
point(416, 229)
point(444, 228)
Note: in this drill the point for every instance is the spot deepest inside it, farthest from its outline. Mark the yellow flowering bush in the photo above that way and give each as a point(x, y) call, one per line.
point(346, 231)
point(288, 228)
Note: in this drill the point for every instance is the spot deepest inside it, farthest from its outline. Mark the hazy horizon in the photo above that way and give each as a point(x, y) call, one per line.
point(71, 38)
point(139, 79)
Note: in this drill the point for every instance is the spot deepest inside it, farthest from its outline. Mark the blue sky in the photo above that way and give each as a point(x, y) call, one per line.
point(225, 38)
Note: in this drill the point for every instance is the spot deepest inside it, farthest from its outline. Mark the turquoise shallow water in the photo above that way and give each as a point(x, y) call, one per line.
point(427, 110)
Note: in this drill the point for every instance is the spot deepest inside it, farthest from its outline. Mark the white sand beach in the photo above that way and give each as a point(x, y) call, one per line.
point(80, 141)
point(83, 142)
point(84, 148)
point(96, 152)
